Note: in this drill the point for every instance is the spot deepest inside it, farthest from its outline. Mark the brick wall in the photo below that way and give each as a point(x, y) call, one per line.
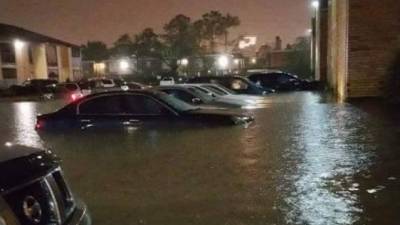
point(373, 39)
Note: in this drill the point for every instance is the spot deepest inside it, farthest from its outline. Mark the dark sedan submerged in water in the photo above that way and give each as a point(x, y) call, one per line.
point(33, 190)
point(281, 81)
point(238, 84)
point(134, 109)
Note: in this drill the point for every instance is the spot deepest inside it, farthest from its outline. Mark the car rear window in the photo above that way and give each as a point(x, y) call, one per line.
point(71, 87)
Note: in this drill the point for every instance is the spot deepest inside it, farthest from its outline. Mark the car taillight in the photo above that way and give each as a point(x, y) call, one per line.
point(76, 96)
point(39, 124)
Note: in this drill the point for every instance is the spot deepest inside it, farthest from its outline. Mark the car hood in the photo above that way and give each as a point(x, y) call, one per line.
point(20, 164)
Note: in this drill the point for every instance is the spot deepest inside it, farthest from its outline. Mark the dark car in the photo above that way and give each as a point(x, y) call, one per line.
point(133, 109)
point(281, 81)
point(32, 87)
point(238, 84)
point(33, 189)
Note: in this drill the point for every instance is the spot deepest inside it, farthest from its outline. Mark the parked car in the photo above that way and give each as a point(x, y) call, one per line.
point(32, 87)
point(238, 84)
point(95, 85)
point(197, 96)
point(220, 92)
point(122, 109)
point(136, 86)
point(281, 81)
point(167, 81)
point(33, 189)
point(66, 91)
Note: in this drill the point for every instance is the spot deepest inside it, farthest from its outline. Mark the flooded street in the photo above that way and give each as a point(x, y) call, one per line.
point(305, 160)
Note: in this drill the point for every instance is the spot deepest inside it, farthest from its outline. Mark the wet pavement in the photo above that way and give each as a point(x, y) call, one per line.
point(306, 160)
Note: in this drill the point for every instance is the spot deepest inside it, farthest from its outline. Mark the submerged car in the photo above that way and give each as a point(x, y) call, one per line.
point(282, 81)
point(33, 189)
point(198, 96)
point(240, 85)
point(220, 92)
point(134, 109)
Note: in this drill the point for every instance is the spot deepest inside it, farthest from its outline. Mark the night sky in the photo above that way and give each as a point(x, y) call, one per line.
point(80, 20)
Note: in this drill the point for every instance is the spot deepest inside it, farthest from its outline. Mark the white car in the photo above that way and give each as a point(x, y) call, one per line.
point(167, 81)
point(96, 85)
point(223, 94)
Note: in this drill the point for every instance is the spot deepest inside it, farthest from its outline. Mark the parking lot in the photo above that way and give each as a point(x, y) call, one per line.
point(305, 160)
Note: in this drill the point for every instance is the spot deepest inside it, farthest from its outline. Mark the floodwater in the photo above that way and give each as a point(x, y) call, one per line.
point(306, 160)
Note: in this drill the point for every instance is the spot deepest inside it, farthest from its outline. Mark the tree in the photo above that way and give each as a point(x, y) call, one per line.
point(94, 50)
point(299, 60)
point(123, 46)
point(213, 25)
point(147, 44)
point(180, 40)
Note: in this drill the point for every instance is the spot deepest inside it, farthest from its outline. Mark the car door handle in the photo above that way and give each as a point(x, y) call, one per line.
point(131, 122)
point(85, 123)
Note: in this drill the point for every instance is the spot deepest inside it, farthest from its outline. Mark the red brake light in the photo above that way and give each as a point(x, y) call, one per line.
point(76, 96)
point(39, 124)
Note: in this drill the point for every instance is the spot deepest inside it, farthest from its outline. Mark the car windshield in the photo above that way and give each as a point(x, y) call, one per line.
point(216, 90)
point(201, 93)
point(176, 103)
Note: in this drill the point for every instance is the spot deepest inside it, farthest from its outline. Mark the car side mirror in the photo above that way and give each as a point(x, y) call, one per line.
point(196, 101)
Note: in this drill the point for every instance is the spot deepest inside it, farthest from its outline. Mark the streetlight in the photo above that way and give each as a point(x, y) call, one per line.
point(315, 4)
point(123, 65)
point(18, 44)
point(223, 62)
point(184, 62)
point(253, 60)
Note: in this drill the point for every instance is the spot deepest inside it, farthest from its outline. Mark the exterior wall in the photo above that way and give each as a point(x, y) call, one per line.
point(374, 38)
point(38, 68)
point(279, 59)
point(363, 38)
point(39, 61)
point(24, 68)
point(320, 42)
point(337, 47)
point(64, 63)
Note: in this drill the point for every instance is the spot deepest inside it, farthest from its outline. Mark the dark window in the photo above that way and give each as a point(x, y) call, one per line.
point(182, 95)
point(283, 78)
point(144, 105)
point(7, 53)
point(71, 87)
point(9, 73)
point(51, 55)
point(268, 80)
point(103, 105)
point(76, 52)
point(30, 54)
